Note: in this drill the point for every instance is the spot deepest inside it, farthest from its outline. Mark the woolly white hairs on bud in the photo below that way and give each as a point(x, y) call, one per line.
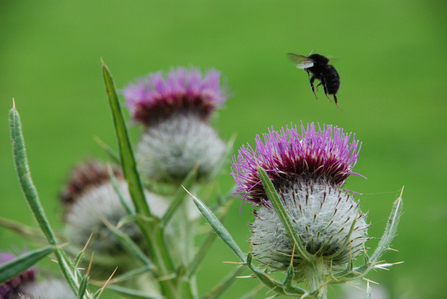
point(47, 289)
point(169, 150)
point(320, 214)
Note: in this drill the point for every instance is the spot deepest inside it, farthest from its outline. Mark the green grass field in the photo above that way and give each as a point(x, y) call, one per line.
point(392, 63)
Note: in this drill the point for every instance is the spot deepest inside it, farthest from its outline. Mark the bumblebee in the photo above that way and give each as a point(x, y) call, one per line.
point(320, 68)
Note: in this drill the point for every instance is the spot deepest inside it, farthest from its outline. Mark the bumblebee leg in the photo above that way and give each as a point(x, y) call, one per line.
point(336, 102)
point(318, 85)
point(312, 85)
point(325, 89)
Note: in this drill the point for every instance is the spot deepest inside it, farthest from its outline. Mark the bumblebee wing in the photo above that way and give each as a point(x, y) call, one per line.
point(331, 58)
point(301, 62)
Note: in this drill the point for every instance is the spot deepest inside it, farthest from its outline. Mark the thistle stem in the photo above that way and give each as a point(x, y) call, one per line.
point(315, 273)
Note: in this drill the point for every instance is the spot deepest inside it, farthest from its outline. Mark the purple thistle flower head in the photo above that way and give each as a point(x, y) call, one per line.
point(324, 154)
point(155, 97)
point(10, 286)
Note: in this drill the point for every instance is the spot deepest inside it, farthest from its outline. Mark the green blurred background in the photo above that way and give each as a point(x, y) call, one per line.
point(393, 94)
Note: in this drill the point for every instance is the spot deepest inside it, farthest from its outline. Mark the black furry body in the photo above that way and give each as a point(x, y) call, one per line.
point(319, 67)
point(326, 73)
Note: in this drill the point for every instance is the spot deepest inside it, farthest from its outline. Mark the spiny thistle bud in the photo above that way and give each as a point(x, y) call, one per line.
point(175, 112)
point(11, 288)
point(90, 198)
point(307, 170)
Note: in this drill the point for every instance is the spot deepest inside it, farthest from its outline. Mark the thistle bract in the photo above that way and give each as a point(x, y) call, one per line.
point(175, 112)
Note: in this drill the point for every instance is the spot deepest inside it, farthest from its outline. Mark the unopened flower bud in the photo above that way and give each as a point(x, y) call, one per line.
point(90, 199)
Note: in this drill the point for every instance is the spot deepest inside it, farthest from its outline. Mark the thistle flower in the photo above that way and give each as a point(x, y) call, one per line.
point(11, 288)
point(307, 170)
point(175, 112)
point(90, 198)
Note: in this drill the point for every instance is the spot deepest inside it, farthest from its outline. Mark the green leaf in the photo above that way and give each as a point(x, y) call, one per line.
point(83, 287)
point(125, 204)
point(261, 275)
point(206, 245)
point(129, 245)
point(113, 155)
point(276, 286)
point(13, 268)
point(131, 293)
point(24, 175)
point(158, 250)
point(78, 259)
point(218, 227)
point(282, 214)
point(390, 230)
point(125, 149)
point(179, 196)
point(30, 192)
